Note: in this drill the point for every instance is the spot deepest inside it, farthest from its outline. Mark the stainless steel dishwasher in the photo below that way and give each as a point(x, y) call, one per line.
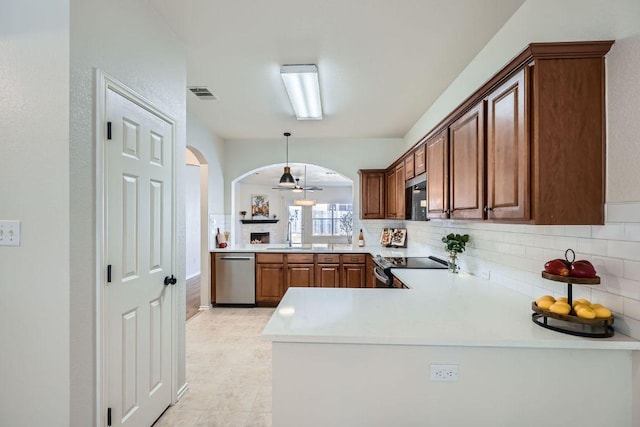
point(235, 279)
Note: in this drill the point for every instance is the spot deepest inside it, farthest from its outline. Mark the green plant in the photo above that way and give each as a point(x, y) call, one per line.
point(346, 223)
point(455, 243)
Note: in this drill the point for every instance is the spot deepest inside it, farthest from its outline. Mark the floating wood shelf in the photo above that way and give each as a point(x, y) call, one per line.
point(259, 221)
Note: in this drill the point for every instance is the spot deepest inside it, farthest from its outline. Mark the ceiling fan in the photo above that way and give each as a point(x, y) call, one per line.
point(297, 188)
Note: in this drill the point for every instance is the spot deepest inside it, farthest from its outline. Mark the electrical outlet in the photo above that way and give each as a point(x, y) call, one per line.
point(9, 233)
point(444, 372)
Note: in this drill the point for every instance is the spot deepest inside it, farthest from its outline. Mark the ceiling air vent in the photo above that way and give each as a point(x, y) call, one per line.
point(203, 93)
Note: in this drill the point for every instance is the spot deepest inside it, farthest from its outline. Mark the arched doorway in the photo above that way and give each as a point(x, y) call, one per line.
point(196, 232)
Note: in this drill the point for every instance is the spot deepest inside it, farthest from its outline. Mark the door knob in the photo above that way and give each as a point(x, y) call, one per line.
point(170, 280)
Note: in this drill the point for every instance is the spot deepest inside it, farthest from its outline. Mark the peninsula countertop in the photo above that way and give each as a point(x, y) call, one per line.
point(438, 309)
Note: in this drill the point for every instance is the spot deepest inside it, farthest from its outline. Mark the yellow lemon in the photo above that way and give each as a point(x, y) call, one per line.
point(560, 308)
point(586, 313)
point(544, 303)
point(581, 301)
point(579, 305)
point(602, 313)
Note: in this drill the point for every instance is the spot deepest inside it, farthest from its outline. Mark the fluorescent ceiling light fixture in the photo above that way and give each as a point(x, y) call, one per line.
point(303, 88)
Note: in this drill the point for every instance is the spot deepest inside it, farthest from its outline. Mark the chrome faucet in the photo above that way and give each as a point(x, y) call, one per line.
point(289, 232)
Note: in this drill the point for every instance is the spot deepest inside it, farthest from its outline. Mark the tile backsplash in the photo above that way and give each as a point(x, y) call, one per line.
point(513, 255)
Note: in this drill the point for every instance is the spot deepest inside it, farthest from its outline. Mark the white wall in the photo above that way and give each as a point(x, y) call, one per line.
point(212, 149)
point(277, 206)
point(514, 255)
point(344, 156)
point(192, 220)
point(34, 184)
point(535, 21)
point(127, 40)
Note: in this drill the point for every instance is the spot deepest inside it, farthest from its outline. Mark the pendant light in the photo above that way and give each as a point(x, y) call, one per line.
point(286, 180)
point(304, 201)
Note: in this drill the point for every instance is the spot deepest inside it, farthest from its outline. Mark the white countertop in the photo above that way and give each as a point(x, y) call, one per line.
point(439, 309)
point(320, 248)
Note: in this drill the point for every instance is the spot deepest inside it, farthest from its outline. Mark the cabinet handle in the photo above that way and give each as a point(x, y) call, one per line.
point(488, 208)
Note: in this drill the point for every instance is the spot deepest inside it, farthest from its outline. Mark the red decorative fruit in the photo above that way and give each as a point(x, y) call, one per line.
point(582, 268)
point(559, 267)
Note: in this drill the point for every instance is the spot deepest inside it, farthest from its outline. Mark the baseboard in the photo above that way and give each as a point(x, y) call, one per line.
point(193, 279)
point(182, 391)
point(204, 308)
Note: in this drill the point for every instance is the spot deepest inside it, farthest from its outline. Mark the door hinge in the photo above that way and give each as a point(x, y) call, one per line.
point(109, 273)
point(108, 416)
point(108, 130)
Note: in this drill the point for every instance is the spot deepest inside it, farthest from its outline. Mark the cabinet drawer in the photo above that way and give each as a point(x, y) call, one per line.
point(353, 258)
point(328, 259)
point(299, 258)
point(269, 258)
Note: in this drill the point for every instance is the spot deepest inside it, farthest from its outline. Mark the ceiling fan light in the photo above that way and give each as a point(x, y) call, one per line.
point(297, 190)
point(304, 202)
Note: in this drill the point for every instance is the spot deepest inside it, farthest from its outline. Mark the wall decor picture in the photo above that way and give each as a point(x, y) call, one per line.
point(259, 206)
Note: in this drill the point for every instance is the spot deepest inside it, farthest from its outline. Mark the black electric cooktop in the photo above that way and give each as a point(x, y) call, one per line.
point(411, 262)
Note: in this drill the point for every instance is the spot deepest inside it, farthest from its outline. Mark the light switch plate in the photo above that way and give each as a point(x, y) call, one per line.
point(9, 233)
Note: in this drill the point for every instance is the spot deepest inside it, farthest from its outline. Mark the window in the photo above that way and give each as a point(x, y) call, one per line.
point(325, 218)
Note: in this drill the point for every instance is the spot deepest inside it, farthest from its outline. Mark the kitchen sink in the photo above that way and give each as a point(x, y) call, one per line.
point(290, 249)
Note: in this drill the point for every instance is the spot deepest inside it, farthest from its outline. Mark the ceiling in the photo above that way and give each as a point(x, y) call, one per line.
point(381, 63)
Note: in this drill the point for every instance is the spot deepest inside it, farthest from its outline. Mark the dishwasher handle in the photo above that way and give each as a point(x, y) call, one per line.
point(236, 258)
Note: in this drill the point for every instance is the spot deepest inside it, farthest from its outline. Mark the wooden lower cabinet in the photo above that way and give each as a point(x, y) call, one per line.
point(300, 275)
point(353, 276)
point(328, 275)
point(353, 271)
point(276, 272)
point(269, 283)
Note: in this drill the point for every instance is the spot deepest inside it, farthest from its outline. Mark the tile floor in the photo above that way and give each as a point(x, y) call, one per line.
point(228, 371)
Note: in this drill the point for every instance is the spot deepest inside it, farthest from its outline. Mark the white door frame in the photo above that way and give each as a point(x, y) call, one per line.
point(104, 83)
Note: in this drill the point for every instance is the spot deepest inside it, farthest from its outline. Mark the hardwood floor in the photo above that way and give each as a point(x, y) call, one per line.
point(193, 296)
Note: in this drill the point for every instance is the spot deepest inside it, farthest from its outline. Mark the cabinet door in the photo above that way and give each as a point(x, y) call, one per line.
point(300, 275)
point(269, 282)
point(372, 194)
point(466, 165)
point(419, 160)
point(400, 183)
point(508, 191)
point(353, 276)
point(391, 194)
point(409, 169)
point(437, 153)
point(328, 275)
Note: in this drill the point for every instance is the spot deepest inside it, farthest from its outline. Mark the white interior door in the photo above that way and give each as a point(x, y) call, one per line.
point(139, 250)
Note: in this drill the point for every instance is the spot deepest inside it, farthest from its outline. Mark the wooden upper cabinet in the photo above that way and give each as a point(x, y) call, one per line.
point(400, 185)
point(508, 183)
point(390, 196)
point(372, 186)
point(409, 170)
point(437, 154)
point(568, 137)
point(419, 161)
point(466, 165)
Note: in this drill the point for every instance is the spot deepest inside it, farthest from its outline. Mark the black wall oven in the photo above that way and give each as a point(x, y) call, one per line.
point(382, 271)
